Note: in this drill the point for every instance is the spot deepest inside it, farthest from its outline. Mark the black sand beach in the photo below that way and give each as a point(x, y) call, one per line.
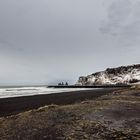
point(11, 106)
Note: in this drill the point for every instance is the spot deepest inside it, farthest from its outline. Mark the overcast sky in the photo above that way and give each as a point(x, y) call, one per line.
point(46, 41)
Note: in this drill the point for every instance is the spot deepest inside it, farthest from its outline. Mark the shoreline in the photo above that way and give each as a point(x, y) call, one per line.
point(15, 105)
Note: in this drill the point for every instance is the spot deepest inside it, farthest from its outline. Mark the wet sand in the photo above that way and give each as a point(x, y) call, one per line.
point(15, 105)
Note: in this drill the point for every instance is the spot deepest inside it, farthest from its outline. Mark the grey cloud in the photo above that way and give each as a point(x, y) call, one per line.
point(47, 41)
point(123, 22)
point(119, 11)
point(118, 14)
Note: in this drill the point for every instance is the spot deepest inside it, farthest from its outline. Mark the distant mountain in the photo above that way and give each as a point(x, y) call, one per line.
point(120, 75)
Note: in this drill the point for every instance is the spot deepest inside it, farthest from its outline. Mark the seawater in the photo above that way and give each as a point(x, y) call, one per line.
point(7, 92)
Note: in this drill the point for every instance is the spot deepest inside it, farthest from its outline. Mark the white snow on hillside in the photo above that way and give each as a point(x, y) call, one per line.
point(120, 75)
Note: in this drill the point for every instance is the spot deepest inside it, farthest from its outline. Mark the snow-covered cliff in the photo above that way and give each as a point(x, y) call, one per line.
point(120, 75)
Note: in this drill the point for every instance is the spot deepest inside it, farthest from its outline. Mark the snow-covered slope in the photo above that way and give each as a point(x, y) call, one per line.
point(120, 75)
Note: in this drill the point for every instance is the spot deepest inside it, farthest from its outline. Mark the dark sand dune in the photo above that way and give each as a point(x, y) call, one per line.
point(10, 106)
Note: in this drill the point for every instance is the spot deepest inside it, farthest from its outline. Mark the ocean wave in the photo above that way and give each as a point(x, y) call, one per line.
point(28, 91)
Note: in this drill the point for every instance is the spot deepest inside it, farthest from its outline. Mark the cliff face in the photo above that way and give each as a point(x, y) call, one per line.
point(120, 75)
